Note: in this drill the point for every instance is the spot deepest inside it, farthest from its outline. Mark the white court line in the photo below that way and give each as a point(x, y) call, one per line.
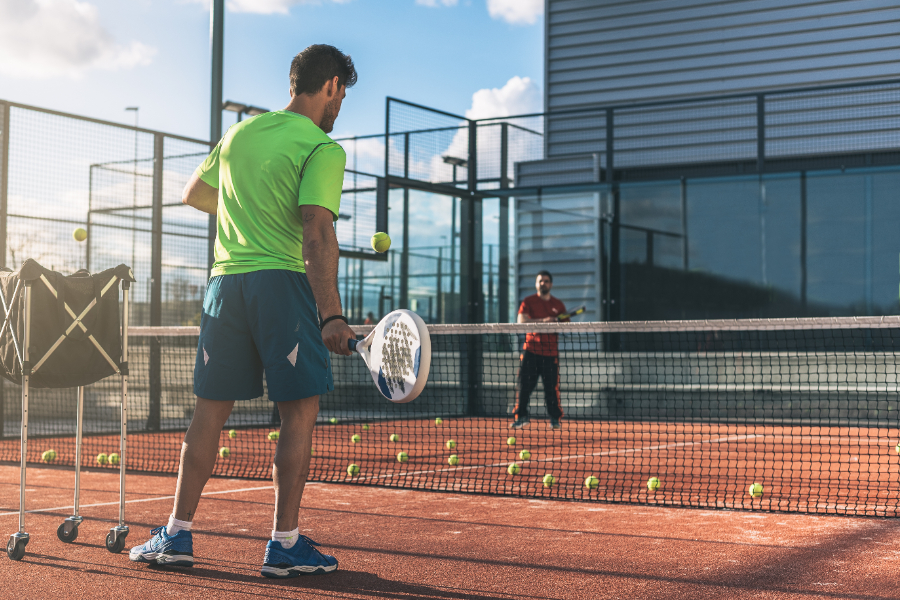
point(116, 503)
point(730, 438)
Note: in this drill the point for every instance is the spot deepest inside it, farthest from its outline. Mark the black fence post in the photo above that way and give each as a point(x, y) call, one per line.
point(472, 274)
point(404, 255)
point(153, 418)
point(503, 259)
point(4, 190)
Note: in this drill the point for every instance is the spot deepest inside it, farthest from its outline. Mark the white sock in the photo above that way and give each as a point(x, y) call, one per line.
point(286, 538)
point(175, 525)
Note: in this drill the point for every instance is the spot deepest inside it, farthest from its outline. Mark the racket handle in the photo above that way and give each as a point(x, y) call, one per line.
point(352, 344)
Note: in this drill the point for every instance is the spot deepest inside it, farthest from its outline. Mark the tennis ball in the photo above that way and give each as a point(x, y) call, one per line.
point(52, 454)
point(549, 480)
point(381, 242)
point(513, 469)
point(453, 460)
point(273, 435)
point(223, 452)
point(394, 437)
point(756, 490)
point(438, 421)
point(48, 456)
point(591, 483)
point(511, 441)
point(653, 484)
point(102, 459)
point(353, 470)
point(333, 420)
point(402, 457)
point(524, 454)
point(113, 459)
point(312, 451)
point(365, 427)
point(79, 234)
point(355, 439)
point(451, 444)
point(232, 433)
point(897, 448)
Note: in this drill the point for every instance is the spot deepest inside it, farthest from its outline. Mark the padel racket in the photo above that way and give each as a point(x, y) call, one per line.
point(398, 354)
point(574, 313)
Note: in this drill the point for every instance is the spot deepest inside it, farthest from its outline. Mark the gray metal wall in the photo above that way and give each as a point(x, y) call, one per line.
point(609, 52)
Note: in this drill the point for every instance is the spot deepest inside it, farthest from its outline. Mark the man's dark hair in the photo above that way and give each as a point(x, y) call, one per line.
point(546, 274)
point(318, 64)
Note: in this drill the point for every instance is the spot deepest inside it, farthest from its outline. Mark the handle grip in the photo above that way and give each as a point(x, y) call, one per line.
point(351, 343)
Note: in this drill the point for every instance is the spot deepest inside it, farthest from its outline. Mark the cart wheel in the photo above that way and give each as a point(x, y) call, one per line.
point(67, 537)
point(113, 544)
point(15, 549)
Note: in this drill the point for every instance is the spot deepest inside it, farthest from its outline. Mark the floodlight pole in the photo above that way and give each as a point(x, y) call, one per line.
point(216, 48)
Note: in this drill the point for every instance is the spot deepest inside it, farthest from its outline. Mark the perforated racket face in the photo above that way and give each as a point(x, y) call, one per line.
point(400, 355)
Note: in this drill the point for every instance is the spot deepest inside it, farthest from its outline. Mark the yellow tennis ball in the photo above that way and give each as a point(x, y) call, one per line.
point(524, 454)
point(756, 490)
point(591, 483)
point(355, 439)
point(897, 448)
point(438, 421)
point(273, 435)
point(79, 234)
point(653, 484)
point(451, 444)
point(511, 441)
point(353, 470)
point(113, 459)
point(365, 427)
point(333, 420)
point(402, 457)
point(48, 456)
point(232, 433)
point(312, 451)
point(549, 480)
point(224, 452)
point(513, 469)
point(453, 460)
point(381, 242)
point(102, 459)
point(394, 437)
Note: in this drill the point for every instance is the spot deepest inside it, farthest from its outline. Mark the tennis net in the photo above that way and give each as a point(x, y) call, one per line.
point(807, 408)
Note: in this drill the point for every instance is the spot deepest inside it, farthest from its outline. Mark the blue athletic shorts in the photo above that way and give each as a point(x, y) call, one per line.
point(264, 321)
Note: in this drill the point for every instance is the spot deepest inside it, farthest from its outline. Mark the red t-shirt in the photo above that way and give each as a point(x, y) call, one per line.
point(544, 344)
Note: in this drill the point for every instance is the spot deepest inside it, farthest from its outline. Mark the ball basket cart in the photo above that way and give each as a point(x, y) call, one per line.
point(63, 331)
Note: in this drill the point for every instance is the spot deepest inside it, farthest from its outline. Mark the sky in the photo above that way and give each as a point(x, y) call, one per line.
point(481, 58)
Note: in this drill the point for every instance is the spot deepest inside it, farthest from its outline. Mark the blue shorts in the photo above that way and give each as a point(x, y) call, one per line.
point(264, 321)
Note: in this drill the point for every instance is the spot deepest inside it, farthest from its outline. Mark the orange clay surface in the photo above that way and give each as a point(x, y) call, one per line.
point(399, 544)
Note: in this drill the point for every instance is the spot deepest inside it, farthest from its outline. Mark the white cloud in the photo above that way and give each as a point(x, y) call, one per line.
point(519, 96)
point(266, 7)
point(434, 3)
point(47, 38)
point(517, 12)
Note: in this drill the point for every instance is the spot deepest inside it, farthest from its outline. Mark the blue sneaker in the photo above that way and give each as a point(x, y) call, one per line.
point(301, 559)
point(162, 549)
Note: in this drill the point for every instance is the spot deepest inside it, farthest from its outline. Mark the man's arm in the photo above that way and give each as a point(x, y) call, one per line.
point(321, 257)
point(200, 195)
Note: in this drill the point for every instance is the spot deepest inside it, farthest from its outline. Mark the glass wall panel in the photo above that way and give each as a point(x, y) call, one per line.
point(885, 243)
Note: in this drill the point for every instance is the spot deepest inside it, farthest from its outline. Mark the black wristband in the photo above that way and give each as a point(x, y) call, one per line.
point(332, 318)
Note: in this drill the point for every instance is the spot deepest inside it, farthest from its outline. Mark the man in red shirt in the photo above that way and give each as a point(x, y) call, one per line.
point(540, 354)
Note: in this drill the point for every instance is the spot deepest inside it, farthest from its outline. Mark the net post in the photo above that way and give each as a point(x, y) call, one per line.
point(153, 417)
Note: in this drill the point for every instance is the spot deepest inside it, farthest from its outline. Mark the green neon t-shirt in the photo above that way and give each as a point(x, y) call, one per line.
point(265, 168)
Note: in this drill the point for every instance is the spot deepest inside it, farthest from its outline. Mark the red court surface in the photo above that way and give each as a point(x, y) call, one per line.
point(843, 470)
point(398, 544)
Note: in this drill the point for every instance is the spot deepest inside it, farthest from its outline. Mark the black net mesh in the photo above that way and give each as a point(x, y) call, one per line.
point(805, 408)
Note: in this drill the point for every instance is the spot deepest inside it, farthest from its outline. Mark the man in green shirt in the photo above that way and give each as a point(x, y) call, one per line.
point(274, 183)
